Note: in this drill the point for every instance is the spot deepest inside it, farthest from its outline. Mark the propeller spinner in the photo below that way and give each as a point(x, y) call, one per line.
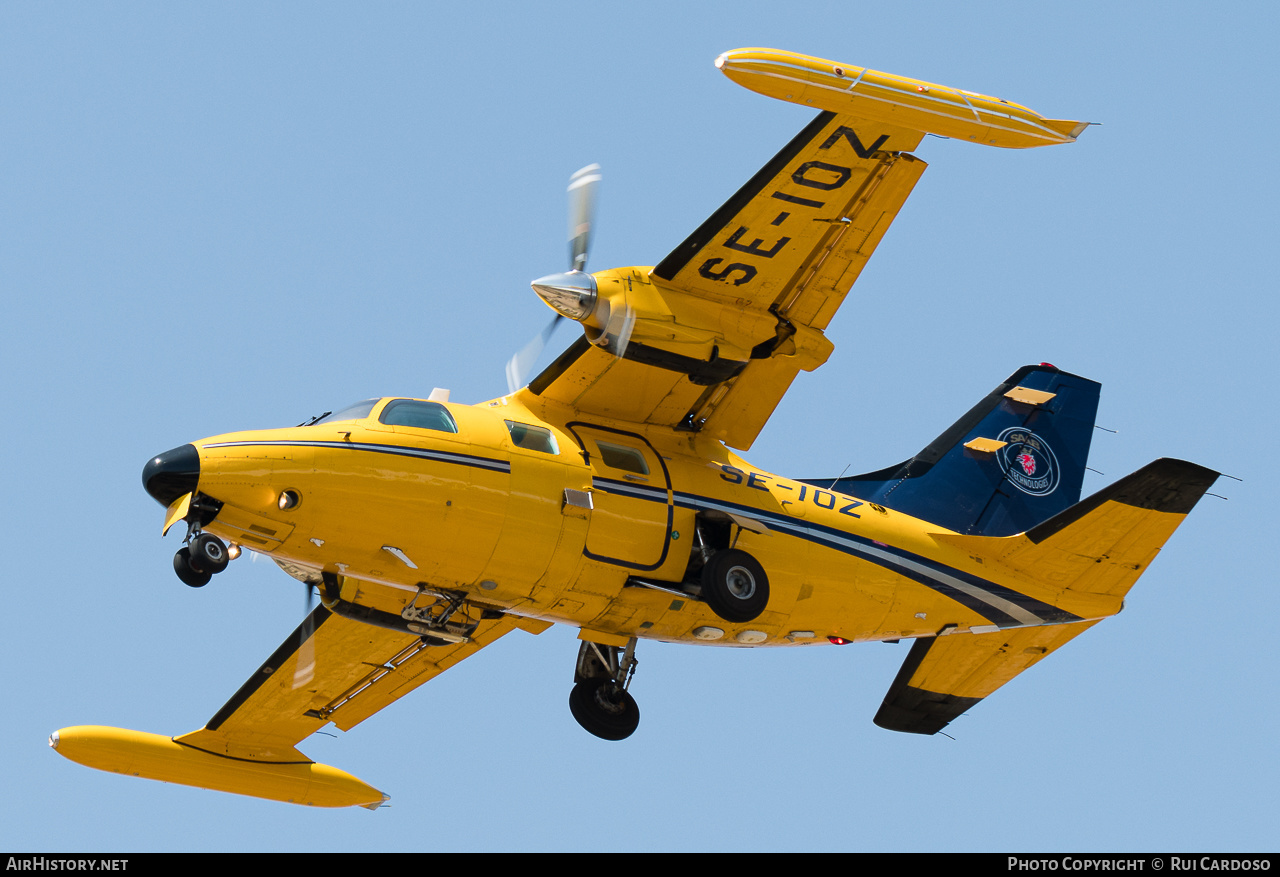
point(574, 294)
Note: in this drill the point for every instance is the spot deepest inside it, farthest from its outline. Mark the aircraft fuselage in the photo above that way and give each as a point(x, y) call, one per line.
point(576, 523)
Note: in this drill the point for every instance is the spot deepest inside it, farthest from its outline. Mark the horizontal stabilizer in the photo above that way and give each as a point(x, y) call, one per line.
point(1090, 554)
point(944, 676)
point(1100, 546)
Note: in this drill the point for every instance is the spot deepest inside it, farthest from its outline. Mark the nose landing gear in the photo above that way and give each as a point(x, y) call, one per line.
point(599, 700)
point(190, 576)
point(204, 556)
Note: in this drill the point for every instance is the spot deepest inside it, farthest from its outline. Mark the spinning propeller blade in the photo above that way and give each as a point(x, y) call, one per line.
point(573, 293)
point(584, 185)
point(518, 367)
point(617, 327)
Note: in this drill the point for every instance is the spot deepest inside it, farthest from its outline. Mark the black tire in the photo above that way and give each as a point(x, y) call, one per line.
point(208, 554)
point(734, 586)
point(602, 710)
point(182, 566)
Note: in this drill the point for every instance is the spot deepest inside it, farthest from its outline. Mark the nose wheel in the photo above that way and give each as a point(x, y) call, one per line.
point(200, 559)
point(599, 700)
point(189, 575)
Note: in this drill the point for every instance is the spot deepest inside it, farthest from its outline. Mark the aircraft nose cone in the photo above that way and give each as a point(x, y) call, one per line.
point(169, 475)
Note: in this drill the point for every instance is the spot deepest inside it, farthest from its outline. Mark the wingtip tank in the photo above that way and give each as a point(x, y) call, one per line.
point(156, 757)
point(894, 100)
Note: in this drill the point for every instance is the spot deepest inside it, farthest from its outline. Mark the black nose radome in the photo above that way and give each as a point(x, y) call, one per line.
point(171, 474)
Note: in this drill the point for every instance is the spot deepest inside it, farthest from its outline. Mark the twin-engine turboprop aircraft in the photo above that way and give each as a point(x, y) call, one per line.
point(604, 495)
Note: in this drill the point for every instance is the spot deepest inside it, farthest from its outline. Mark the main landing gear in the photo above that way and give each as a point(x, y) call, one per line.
point(730, 581)
point(734, 586)
point(599, 699)
point(200, 559)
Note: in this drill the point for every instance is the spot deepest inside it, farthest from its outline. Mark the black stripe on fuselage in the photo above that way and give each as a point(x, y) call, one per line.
point(628, 488)
point(397, 450)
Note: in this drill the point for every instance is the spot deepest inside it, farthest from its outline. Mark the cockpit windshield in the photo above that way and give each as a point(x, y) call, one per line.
point(352, 412)
point(418, 414)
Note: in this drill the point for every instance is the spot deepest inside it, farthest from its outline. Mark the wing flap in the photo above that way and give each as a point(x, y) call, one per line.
point(330, 668)
point(944, 676)
point(423, 666)
point(594, 381)
point(820, 286)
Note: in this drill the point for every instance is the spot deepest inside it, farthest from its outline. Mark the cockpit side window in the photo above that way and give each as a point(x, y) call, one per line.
point(532, 438)
point(358, 411)
point(419, 415)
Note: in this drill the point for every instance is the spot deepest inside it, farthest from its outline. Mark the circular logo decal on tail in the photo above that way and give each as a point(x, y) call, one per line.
point(1028, 462)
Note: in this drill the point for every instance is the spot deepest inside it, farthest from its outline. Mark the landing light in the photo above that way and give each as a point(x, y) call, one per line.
point(289, 499)
point(233, 551)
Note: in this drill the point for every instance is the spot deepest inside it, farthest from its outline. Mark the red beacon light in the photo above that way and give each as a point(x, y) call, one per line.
point(837, 640)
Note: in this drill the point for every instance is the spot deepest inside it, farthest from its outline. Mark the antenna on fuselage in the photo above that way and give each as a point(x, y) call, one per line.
point(832, 486)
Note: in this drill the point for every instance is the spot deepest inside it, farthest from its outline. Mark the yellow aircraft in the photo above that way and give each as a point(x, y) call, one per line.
point(605, 494)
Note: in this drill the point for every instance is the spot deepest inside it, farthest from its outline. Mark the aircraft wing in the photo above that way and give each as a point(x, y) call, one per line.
point(331, 669)
point(726, 321)
point(944, 676)
point(794, 238)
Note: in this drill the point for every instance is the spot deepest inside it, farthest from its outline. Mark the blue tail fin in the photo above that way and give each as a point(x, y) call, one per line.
point(1016, 459)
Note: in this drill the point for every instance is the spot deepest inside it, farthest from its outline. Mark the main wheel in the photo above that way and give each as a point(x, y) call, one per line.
point(608, 712)
point(734, 586)
point(208, 553)
point(182, 566)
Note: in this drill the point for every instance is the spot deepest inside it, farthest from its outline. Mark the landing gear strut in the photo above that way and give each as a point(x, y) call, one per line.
point(599, 700)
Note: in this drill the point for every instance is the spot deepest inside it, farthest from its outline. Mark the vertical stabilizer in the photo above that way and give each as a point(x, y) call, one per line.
point(1016, 459)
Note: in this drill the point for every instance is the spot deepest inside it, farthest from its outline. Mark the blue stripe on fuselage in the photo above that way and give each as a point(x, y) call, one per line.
point(1001, 605)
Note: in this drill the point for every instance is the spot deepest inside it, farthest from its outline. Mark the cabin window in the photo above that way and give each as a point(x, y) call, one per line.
point(419, 415)
point(623, 457)
point(358, 411)
point(532, 438)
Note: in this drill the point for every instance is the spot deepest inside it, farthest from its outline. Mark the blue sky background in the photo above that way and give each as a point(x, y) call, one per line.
point(240, 215)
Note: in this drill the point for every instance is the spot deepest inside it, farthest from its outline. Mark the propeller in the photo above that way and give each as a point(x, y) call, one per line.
point(518, 367)
point(573, 294)
point(305, 669)
point(584, 185)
